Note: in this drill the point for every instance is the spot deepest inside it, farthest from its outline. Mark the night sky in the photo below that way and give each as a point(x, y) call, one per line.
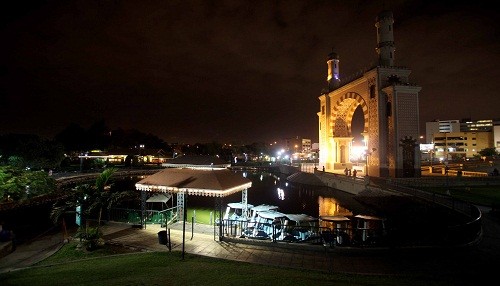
point(230, 71)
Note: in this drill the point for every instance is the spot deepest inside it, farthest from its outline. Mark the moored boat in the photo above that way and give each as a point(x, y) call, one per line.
point(300, 227)
point(234, 212)
point(369, 230)
point(254, 211)
point(278, 226)
point(353, 230)
point(338, 229)
point(266, 225)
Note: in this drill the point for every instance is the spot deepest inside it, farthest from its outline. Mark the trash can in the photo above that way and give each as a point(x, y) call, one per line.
point(162, 237)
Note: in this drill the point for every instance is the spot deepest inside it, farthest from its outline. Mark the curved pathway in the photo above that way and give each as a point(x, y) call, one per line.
point(460, 266)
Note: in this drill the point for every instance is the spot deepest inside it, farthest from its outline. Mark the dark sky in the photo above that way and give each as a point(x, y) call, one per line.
point(239, 71)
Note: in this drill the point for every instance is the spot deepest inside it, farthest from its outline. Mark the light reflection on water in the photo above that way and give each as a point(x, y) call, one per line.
point(270, 189)
point(291, 198)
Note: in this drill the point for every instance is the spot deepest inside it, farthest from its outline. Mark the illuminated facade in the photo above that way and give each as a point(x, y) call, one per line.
point(458, 145)
point(299, 148)
point(464, 125)
point(453, 139)
point(389, 103)
point(479, 125)
point(440, 126)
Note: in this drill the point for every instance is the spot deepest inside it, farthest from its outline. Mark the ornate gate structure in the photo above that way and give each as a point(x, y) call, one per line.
point(389, 103)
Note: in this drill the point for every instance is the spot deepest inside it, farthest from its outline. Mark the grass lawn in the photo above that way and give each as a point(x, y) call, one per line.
point(204, 216)
point(67, 267)
point(479, 195)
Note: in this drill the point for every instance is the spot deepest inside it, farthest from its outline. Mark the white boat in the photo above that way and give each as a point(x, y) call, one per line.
point(353, 230)
point(300, 227)
point(234, 212)
point(257, 209)
point(262, 208)
point(341, 232)
point(368, 230)
point(269, 223)
point(266, 225)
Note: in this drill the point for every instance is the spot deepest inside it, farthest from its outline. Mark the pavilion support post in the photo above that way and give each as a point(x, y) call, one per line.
point(218, 217)
point(143, 209)
point(244, 202)
point(184, 197)
point(180, 205)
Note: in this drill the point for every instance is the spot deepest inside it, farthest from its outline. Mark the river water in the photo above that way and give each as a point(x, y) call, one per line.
point(270, 189)
point(267, 188)
point(273, 189)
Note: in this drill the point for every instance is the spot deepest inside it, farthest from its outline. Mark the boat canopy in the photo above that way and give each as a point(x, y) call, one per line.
point(367, 217)
point(261, 208)
point(271, 214)
point(334, 218)
point(238, 205)
point(301, 217)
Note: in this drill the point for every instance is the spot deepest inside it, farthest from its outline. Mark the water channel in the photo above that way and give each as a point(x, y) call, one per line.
point(412, 221)
point(274, 189)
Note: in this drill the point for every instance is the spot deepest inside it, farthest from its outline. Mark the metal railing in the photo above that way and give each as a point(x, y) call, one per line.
point(273, 232)
point(133, 216)
point(468, 232)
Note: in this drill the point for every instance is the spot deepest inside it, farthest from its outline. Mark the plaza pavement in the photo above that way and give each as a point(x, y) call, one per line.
point(462, 266)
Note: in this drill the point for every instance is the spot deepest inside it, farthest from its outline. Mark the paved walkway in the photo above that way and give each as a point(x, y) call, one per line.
point(459, 265)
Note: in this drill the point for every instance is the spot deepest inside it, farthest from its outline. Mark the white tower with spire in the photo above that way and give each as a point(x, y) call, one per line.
point(333, 77)
point(385, 38)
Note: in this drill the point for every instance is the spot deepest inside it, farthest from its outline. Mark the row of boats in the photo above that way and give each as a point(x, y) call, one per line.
point(267, 222)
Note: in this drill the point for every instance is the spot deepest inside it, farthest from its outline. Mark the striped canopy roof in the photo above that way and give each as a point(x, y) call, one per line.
point(213, 183)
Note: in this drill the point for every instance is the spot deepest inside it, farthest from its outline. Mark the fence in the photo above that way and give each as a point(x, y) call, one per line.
point(273, 232)
point(133, 216)
point(333, 236)
point(466, 233)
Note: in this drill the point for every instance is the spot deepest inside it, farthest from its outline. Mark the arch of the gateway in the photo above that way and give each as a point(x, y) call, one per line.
point(389, 103)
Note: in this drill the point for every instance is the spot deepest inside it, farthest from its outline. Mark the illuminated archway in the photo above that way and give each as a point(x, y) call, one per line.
point(389, 102)
point(341, 132)
point(343, 112)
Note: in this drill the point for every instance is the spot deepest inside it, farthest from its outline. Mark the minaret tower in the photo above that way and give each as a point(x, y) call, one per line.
point(333, 77)
point(385, 38)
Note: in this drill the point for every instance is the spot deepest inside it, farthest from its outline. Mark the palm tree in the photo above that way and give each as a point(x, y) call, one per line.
point(101, 196)
point(91, 198)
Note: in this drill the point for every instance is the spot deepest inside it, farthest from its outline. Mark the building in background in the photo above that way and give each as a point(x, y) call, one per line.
point(459, 139)
point(460, 145)
point(440, 126)
point(485, 125)
point(306, 145)
point(299, 149)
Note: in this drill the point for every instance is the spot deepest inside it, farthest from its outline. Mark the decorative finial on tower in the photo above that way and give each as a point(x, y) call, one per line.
point(333, 77)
